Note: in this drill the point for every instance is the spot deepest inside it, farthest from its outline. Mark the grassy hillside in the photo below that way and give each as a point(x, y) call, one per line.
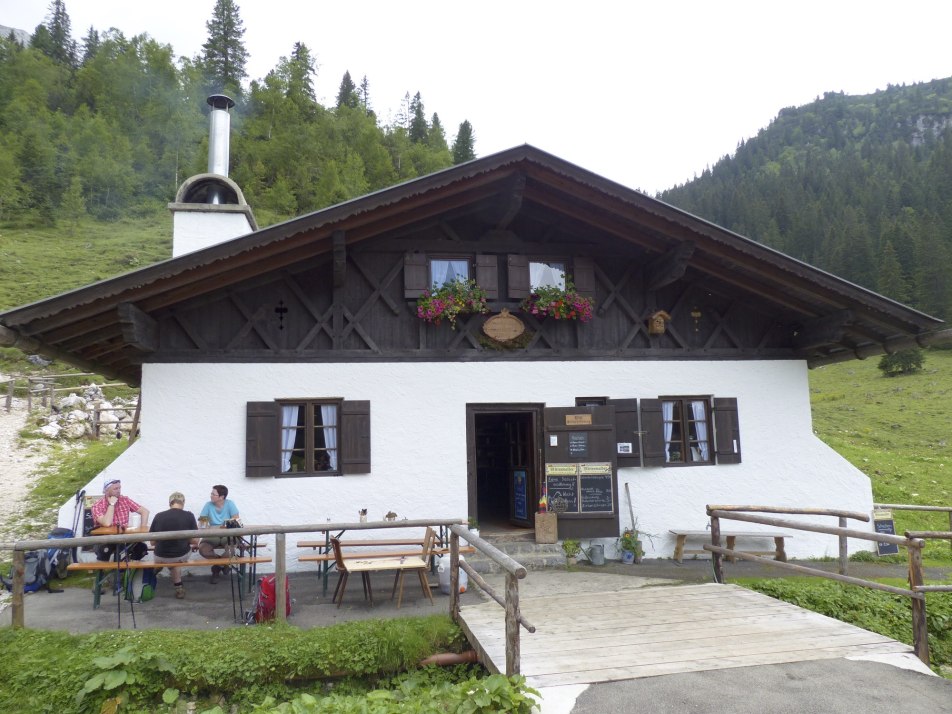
point(40, 262)
point(896, 430)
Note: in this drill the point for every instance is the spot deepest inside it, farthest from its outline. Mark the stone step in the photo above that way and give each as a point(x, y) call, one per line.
point(528, 553)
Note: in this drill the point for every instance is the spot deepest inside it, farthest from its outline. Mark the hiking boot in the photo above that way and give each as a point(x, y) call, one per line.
point(179, 592)
point(214, 578)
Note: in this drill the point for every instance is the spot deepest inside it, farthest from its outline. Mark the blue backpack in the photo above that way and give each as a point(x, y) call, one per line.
point(41, 566)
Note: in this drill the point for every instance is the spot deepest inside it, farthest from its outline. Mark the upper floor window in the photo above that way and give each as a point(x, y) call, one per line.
point(547, 274)
point(687, 433)
point(448, 270)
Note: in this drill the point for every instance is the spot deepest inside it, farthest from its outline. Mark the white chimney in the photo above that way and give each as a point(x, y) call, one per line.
point(209, 208)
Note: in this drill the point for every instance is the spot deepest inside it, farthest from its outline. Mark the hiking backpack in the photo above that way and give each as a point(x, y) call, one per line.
point(140, 584)
point(37, 571)
point(267, 599)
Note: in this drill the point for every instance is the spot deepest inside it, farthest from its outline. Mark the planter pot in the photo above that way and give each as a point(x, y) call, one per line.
point(474, 531)
point(571, 561)
point(627, 557)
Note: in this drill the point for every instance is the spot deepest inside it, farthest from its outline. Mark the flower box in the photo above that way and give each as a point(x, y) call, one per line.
point(450, 300)
point(559, 303)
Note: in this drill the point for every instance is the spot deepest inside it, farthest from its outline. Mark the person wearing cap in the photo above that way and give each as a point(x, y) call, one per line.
point(177, 550)
point(113, 508)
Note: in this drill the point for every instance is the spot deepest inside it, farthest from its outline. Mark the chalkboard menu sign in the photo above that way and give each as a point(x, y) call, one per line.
point(565, 488)
point(578, 444)
point(520, 504)
point(883, 523)
point(596, 492)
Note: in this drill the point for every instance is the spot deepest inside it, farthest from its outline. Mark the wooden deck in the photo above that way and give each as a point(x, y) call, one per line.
point(605, 636)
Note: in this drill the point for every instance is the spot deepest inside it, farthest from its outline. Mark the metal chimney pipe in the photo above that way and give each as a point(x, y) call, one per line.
point(218, 138)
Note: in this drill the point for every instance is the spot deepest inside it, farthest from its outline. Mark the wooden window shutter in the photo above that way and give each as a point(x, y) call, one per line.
point(726, 431)
point(518, 270)
point(487, 275)
point(652, 423)
point(355, 437)
point(626, 426)
point(415, 275)
point(584, 275)
point(262, 455)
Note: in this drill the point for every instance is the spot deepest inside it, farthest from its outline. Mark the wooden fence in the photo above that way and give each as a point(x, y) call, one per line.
point(913, 545)
point(942, 535)
point(514, 571)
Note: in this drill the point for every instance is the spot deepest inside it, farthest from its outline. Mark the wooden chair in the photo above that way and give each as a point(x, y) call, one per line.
point(429, 541)
point(344, 574)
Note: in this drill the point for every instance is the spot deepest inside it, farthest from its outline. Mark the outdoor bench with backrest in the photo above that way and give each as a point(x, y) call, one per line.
point(731, 538)
point(104, 568)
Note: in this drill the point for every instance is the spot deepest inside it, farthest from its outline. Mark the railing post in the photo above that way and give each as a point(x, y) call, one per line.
point(844, 550)
point(512, 625)
point(280, 579)
point(716, 541)
point(96, 418)
point(19, 567)
point(454, 576)
point(920, 629)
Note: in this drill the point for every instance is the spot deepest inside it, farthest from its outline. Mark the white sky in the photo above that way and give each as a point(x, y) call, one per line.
point(645, 93)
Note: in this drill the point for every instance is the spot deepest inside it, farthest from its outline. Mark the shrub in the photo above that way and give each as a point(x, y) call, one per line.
point(901, 362)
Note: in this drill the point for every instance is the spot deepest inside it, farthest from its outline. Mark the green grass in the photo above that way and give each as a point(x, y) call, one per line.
point(895, 430)
point(36, 263)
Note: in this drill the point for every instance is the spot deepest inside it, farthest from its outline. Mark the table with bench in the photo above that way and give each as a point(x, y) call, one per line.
point(234, 566)
point(396, 548)
point(731, 538)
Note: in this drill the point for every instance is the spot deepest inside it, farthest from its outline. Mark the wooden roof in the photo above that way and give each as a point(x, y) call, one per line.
point(101, 327)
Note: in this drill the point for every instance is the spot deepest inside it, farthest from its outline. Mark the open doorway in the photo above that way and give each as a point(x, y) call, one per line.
point(503, 448)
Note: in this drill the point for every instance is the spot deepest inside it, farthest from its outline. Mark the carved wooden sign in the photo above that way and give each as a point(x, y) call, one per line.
point(503, 327)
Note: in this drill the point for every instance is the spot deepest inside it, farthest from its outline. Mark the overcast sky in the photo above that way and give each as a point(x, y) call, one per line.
point(644, 93)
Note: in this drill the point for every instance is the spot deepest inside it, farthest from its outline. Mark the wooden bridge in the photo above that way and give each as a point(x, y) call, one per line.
point(604, 636)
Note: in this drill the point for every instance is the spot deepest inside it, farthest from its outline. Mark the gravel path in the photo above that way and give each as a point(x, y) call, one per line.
point(20, 463)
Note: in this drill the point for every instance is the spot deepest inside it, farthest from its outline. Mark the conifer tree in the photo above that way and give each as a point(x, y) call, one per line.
point(347, 94)
point(224, 55)
point(91, 45)
point(464, 144)
point(54, 38)
point(364, 93)
point(418, 126)
point(436, 138)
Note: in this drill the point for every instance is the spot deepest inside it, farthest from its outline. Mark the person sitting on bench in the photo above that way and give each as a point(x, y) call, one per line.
point(113, 509)
point(174, 551)
point(214, 515)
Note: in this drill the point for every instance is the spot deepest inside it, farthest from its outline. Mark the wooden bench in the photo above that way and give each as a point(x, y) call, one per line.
point(731, 538)
point(103, 568)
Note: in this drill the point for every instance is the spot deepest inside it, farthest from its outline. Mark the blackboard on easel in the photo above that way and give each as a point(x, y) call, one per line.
point(883, 523)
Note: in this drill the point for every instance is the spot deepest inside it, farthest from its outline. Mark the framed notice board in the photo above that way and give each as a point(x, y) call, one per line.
point(883, 523)
point(520, 496)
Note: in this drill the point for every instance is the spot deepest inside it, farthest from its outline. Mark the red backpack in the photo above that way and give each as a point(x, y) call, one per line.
point(267, 599)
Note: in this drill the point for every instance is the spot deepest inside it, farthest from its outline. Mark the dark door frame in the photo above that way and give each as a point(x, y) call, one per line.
point(472, 409)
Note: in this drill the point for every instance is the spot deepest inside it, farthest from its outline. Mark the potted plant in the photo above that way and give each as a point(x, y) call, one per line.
point(571, 548)
point(559, 303)
point(451, 299)
point(630, 547)
point(473, 526)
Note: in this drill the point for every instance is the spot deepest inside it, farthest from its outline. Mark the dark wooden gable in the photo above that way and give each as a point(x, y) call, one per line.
point(341, 284)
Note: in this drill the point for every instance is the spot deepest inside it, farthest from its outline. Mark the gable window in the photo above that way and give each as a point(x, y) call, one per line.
point(448, 270)
point(547, 274)
point(307, 437)
point(686, 423)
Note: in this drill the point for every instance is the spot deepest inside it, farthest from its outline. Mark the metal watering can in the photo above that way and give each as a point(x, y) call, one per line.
point(596, 554)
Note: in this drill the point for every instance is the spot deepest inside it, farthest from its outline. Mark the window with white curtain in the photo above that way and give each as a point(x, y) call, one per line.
point(686, 430)
point(546, 274)
point(310, 437)
point(448, 270)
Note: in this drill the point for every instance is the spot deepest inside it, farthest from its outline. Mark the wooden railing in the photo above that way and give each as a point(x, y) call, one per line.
point(941, 535)
point(510, 601)
point(913, 545)
point(514, 571)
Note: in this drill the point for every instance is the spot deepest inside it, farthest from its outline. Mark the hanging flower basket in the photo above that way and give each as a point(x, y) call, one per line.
point(452, 299)
point(559, 303)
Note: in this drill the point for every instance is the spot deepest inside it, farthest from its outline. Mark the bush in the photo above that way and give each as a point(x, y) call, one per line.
point(902, 362)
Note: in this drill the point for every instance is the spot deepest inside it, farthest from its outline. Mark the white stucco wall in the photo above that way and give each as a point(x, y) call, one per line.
point(193, 436)
point(194, 229)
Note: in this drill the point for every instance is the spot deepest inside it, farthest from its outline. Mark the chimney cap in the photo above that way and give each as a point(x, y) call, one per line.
point(220, 101)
